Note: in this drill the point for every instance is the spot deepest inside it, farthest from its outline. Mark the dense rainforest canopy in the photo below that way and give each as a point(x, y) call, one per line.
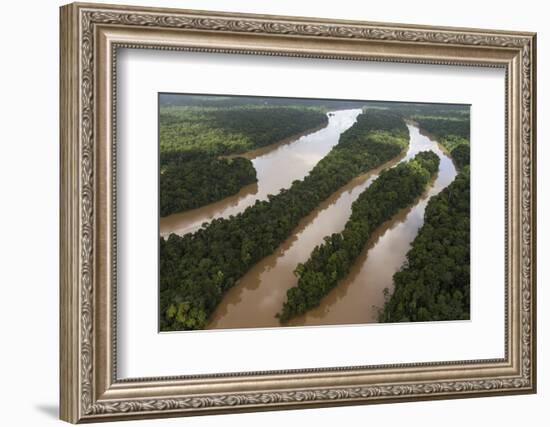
point(193, 139)
point(198, 268)
point(202, 180)
point(222, 131)
point(201, 138)
point(434, 283)
point(330, 262)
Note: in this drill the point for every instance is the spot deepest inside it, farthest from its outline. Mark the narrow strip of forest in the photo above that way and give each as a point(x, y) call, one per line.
point(192, 139)
point(197, 269)
point(330, 262)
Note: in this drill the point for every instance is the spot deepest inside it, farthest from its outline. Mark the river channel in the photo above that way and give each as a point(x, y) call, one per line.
point(277, 166)
point(259, 295)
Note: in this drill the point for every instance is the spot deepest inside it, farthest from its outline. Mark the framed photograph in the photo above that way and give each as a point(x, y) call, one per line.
point(267, 212)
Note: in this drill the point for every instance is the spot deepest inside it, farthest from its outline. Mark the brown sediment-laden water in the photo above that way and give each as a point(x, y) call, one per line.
point(259, 295)
point(277, 166)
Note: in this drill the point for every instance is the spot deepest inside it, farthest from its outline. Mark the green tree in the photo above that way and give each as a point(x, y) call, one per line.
point(233, 245)
point(330, 262)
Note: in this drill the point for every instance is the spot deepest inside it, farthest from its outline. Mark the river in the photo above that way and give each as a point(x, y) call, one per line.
point(277, 166)
point(259, 295)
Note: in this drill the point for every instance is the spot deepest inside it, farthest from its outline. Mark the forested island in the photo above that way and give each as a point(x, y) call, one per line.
point(204, 141)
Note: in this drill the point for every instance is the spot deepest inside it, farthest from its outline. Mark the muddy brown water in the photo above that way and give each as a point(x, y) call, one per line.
point(277, 166)
point(259, 295)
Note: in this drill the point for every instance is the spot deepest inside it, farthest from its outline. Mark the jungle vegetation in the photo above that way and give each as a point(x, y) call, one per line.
point(406, 109)
point(453, 132)
point(188, 184)
point(434, 283)
point(193, 141)
point(196, 269)
point(394, 189)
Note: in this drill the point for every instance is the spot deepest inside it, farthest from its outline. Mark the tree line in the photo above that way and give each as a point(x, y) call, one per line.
point(198, 268)
point(202, 180)
point(331, 261)
point(442, 126)
point(453, 132)
point(232, 130)
point(193, 139)
point(234, 101)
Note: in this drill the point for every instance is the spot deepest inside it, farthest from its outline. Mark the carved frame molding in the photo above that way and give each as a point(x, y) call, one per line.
point(90, 36)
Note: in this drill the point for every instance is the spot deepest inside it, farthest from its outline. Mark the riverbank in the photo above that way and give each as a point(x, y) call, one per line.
point(262, 151)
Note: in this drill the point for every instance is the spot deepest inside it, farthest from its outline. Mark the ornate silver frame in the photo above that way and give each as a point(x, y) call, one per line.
point(90, 35)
